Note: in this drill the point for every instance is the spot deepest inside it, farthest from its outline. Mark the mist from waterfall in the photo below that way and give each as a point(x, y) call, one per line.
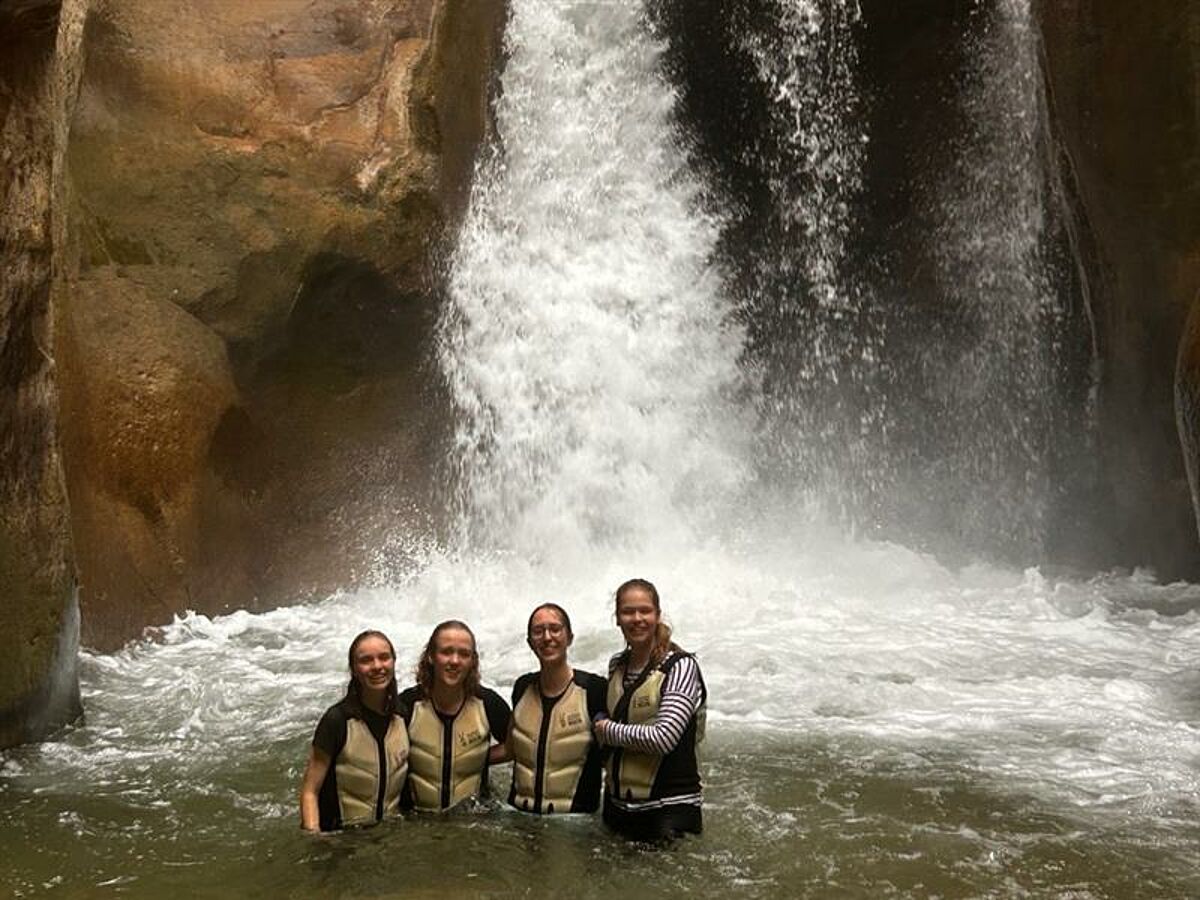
point(922, 378)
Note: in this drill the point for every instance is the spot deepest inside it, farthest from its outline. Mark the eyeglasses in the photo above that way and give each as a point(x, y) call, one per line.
point(554, 629)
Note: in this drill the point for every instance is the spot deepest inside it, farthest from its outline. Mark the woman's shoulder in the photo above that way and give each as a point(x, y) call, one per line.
point(521, 685)
point(337, 714)
point(492, 701)
point(682, 660)
point(496, 710)
point(617, 660)
point(586, 679)
point(330, 733)
point(523, 682)
point(407, 699)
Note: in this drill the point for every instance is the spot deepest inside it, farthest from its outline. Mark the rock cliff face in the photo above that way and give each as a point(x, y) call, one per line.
point(259, 195)
point(220, 228)
point(39, 45)
point(1124, 86)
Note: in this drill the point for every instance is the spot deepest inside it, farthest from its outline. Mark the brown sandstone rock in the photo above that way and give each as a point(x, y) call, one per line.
point(260, 194)
point(144, 387)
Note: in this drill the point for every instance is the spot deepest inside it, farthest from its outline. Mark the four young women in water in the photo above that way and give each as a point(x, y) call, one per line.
point(377, 752)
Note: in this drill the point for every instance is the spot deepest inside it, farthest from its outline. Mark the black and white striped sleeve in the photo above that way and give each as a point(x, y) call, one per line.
point(681, 695)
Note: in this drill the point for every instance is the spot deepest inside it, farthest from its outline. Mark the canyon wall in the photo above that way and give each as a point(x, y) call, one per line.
point(221, 248)
point(39, 45)
point(259, 196)
point(1124, 91)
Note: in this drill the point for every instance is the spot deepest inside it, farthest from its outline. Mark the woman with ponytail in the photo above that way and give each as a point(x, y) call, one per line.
point(656, 702)
point(359, 756)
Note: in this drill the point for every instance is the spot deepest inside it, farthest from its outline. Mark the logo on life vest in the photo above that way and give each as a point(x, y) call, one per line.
point(642, 702)
point(568, 720)
point(467, 738)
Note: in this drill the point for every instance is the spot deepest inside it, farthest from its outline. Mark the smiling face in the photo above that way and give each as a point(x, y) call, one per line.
point(372, 663)
point(453, 657)
point(637, 616)
point(549, 636)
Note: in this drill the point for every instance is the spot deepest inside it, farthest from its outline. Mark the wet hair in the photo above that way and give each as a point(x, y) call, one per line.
point(353, 697)
point(424, 669)
point(557, 610)
point(662, 632)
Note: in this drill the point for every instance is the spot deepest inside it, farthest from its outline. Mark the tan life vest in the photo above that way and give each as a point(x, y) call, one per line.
point(632, 770)
point(563, 749)
point(470, 737)
point(358, 771)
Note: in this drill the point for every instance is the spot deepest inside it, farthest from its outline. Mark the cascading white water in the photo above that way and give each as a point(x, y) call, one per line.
point(996, 386)
point(589, 345)
point(604, 434)
point(822, 416)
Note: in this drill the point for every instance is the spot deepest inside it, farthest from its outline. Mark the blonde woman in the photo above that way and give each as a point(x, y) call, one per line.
point(656, 703)
point(455, 725)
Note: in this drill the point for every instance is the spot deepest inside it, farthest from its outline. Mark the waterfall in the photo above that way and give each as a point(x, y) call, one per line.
point(816, 336)
point(589, 345)
point(994, 362)
point(921, 380)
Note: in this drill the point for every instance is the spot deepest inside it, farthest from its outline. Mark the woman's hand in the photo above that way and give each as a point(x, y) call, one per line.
point(600, 726)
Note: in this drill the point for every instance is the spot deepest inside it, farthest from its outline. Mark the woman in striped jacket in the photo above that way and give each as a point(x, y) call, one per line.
point(656, 703)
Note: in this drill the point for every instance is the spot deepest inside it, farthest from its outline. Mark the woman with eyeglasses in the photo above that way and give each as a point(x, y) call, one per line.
point(656, 705)
point(556, 760)
point(456, 727)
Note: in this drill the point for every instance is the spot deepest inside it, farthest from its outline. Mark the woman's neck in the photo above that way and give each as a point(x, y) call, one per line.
point(376, 701)
point(639, 656)
point(554, 678)
point(447, 700)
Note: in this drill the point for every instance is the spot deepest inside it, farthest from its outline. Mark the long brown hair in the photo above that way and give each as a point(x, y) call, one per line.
point(662, 632)
point(354, 689)
point(424, 670)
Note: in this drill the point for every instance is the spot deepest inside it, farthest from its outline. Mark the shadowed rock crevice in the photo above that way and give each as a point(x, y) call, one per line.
point(38, 609)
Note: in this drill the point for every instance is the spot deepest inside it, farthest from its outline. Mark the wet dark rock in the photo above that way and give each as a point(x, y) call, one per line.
point(38, 610)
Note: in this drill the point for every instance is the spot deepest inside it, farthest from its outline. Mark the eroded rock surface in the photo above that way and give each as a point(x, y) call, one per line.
point(38, 612)
point(260, 195)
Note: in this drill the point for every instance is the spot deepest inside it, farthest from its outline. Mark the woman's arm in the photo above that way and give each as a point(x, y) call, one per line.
point(314, 776)
point(499, 718)
point(680, 699)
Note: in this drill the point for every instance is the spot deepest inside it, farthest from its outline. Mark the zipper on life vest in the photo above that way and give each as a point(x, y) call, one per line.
point(615, 762)
point(447, 759)
point(380, 745)
point(539, 770)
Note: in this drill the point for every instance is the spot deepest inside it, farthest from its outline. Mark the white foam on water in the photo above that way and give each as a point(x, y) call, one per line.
point(1083, 692)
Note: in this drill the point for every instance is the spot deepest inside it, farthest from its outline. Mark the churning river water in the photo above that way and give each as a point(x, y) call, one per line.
point(880, 724)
